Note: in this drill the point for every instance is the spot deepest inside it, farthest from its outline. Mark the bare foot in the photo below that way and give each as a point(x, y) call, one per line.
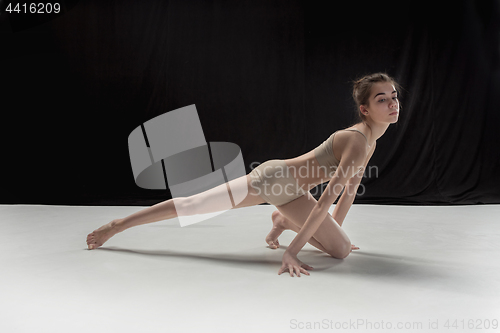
point(99, 236)
point(279, 225)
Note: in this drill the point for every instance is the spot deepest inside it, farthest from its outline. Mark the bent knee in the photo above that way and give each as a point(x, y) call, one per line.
point(341, 251)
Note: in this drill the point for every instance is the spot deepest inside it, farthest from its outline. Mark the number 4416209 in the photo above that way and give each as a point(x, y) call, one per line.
point(34, 8)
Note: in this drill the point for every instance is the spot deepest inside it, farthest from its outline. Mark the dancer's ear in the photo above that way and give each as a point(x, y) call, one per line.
point(363, 110)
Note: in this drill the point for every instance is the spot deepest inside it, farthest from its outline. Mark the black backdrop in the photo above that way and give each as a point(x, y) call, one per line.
point(271, 76)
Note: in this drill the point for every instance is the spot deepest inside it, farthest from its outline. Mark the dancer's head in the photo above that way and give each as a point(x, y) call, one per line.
point(376, 97)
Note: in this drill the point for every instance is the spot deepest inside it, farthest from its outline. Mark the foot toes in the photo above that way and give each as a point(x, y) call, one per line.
point(272, 245)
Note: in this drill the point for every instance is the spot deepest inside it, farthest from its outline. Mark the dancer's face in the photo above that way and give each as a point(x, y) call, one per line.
point(383, 104)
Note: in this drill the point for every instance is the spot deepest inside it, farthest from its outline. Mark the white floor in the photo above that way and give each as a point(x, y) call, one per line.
point(418, 269)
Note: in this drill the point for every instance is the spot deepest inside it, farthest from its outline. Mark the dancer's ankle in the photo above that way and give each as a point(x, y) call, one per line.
point(118, 225)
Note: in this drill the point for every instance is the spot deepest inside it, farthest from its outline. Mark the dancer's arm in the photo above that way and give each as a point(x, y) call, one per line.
point(350, 190)
point(352, 159)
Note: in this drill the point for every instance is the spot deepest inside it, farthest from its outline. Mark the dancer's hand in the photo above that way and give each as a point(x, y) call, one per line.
point(293, 265)
point(354, 247)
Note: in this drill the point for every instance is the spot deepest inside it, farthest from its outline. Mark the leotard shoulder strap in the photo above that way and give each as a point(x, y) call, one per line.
point(358, 132)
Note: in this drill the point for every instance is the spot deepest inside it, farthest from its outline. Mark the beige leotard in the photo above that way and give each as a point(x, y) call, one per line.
point(274, 182)
point(324, 154)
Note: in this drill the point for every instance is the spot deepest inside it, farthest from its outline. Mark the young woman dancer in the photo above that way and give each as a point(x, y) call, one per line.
point(341, 160)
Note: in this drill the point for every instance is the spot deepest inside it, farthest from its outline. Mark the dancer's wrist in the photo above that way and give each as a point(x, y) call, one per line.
point(291, 250)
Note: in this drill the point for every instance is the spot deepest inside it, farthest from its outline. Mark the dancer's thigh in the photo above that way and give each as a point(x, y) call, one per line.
point(252, 198)
point(217, 199)
point(329, 233)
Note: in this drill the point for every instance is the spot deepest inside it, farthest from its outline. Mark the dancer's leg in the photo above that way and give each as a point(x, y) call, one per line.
point(329, 237)
point(205, 202)
point(280, 224)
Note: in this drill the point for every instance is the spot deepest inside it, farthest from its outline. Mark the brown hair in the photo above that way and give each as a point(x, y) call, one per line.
point(362, 89)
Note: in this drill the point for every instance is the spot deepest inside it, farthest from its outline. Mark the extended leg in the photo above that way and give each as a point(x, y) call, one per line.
point(205, 202)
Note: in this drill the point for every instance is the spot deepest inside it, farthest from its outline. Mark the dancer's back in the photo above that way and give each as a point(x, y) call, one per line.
point(319, 165)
